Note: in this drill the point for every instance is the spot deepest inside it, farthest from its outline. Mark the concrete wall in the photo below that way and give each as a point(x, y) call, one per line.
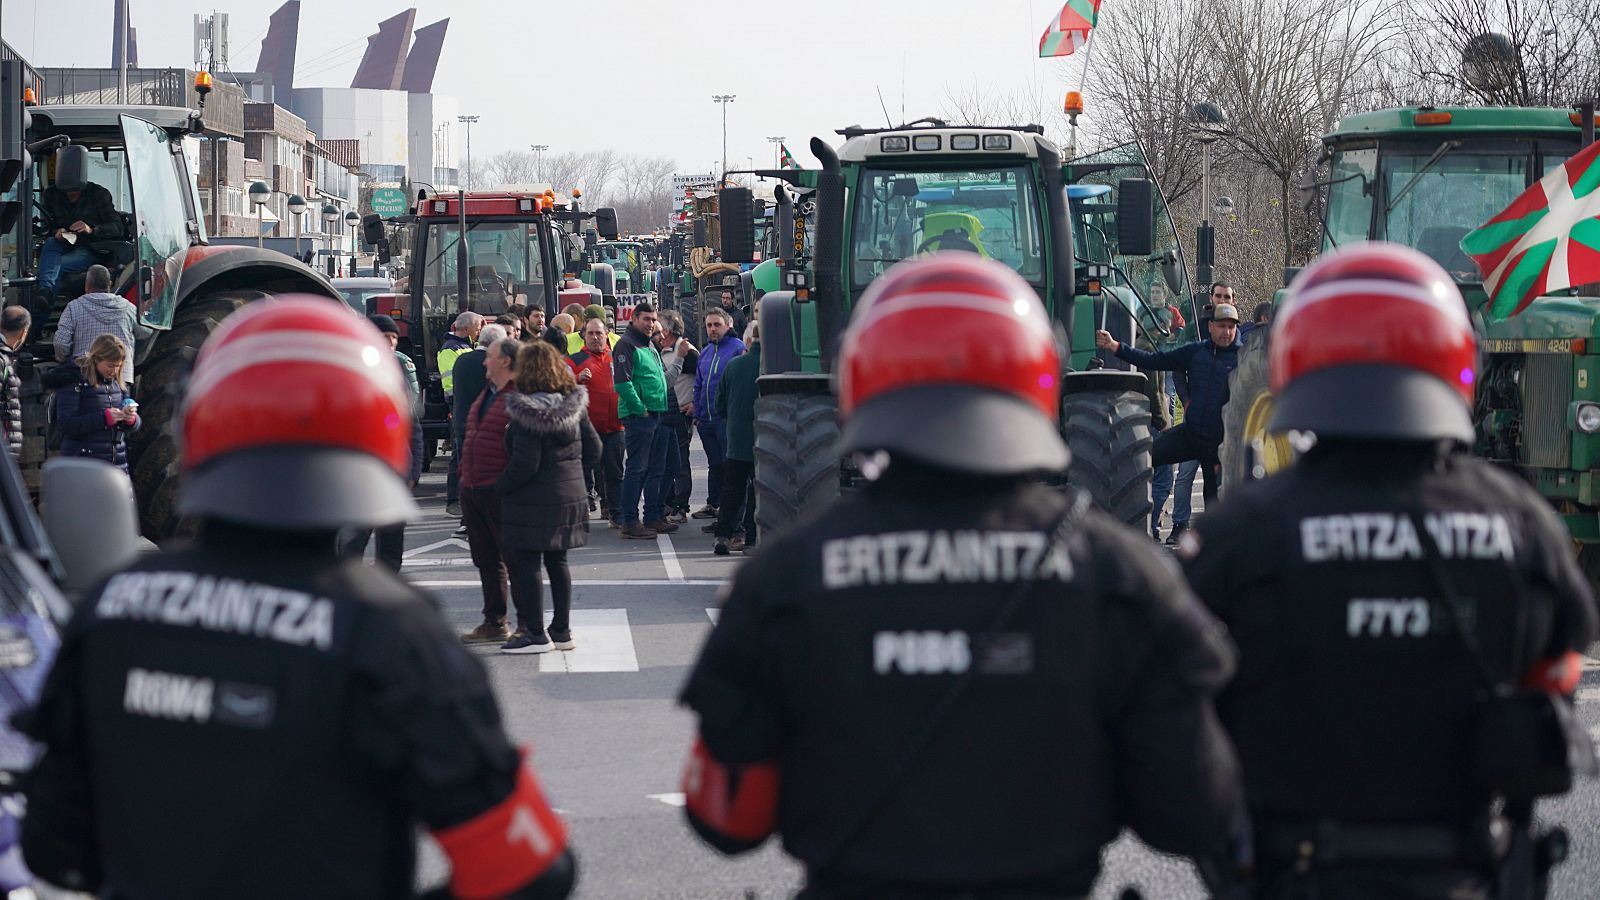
point(379, 119)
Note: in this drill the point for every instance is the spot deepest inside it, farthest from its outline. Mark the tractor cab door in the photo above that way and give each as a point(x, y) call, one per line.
point(161, 218)
point(1139, 291)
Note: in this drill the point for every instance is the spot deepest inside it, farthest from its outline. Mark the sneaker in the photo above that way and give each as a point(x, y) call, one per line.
point(639, 532)
point(748, 549)
point(613, 523)
point(527, 642)
point(736, 543)
point(677, 517)
point(1177, 534)
point(594, 501)
point(487, 633)
point(708, 529)
point(721, 547)
point(705, 512)
point(461, 531)
point(661, 526)
point(562, 640)
point(453, 508)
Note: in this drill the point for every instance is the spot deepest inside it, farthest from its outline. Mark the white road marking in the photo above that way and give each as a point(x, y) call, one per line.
point(1588, 693)
point(605, 644)
point(438, 545)
point(675, 799)
point(669, 557)
point(713, 615)
point(599, 582)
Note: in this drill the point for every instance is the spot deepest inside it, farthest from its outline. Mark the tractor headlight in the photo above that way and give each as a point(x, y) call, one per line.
point(1586, 417)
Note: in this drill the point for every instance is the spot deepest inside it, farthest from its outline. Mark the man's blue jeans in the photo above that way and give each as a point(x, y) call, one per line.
point(714, 440)
point(1183, 492)
point(55, 258)
point(644, 472)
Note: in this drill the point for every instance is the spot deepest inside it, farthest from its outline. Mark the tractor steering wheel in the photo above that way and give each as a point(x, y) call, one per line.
point(953, 239)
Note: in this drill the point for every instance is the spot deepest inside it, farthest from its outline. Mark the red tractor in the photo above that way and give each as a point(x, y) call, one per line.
point(182, 288)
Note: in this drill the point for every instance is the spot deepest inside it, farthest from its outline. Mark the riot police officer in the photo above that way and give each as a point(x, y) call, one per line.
point(255, 717)
point(959, 681)
point(1389, 594)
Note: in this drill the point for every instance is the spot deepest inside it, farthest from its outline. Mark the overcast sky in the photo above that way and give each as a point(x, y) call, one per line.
point(634, 75)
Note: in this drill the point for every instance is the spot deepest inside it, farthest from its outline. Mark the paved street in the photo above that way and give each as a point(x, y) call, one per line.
point(609, 739)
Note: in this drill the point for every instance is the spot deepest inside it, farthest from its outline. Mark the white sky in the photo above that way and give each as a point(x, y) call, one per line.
point(633, 75)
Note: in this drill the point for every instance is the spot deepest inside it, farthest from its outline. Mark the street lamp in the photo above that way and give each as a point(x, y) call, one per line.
point(297, 208)
point(352, 220)
point(468, 121)
point(330, 214)
point(538, 158)
point(777, 143)
point(259, 195)
point(1211, 123)
point(724, 100)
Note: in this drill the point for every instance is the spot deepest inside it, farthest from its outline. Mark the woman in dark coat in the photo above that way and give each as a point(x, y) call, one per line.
point(544, 506)
point(96, 414)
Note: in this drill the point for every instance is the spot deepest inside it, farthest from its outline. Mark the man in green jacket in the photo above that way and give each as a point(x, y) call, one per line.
point(736, 405)
point(641, 399)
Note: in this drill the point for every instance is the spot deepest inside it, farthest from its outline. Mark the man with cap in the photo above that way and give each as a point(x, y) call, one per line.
point(391, 539)
point(940, 628)
point(1204, 367)
point(576, 338)
point(250, 716)
point(78, 215)
point(1409, 618)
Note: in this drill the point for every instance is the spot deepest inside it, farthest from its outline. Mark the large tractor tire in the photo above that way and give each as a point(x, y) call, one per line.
point(1249, 452)
point(797, 458)
point(1106, 423)
point(153, 449)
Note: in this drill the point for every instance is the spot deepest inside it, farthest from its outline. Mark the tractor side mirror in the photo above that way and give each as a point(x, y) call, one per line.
point(605, 222)
point(1136, 215)
point(737, 206)
point(89, 547)
point(372, 229)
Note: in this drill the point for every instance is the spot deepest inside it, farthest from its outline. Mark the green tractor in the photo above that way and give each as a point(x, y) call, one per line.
point(890, 194)
point(1424, 177)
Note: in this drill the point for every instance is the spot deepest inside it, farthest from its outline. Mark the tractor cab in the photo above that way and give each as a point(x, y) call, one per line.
point(144, 157)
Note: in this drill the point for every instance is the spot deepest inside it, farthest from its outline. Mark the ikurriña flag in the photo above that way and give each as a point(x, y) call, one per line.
point(1548, 239)
point(1070, 29)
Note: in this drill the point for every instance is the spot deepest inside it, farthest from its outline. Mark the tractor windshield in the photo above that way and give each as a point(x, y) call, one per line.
point(990, 212)
point(505, 265)
point(162, 217)
point(624, 258)
point(1429, 194)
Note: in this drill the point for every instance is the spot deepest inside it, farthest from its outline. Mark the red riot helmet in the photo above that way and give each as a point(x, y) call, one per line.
point(1374, 342)
point(950, 360)
point(297, 416)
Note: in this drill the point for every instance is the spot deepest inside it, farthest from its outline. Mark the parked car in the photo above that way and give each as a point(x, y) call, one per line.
point(356, 291)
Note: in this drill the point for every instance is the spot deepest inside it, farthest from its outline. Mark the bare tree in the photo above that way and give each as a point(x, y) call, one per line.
point(1547, 52)
point(978, 103)
point(1149, 66)
point(642, 194)
point(509, 167)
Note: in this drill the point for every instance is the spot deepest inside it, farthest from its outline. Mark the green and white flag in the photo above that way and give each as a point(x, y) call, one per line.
point(1548, 239)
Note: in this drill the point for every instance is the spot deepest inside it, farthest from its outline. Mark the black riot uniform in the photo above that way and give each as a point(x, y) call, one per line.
point(1355, 693)
point(264, 718)
point(1087, 712)
point(252, 717)
point(1394, 602)
point(959, 682)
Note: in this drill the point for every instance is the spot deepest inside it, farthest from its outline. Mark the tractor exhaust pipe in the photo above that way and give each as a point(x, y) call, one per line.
point(827, 292)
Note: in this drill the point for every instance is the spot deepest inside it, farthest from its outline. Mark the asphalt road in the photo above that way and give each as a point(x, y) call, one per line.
point(609, 739)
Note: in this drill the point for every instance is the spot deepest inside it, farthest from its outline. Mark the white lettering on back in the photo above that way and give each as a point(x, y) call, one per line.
point(942, 557)
point(228, 605)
